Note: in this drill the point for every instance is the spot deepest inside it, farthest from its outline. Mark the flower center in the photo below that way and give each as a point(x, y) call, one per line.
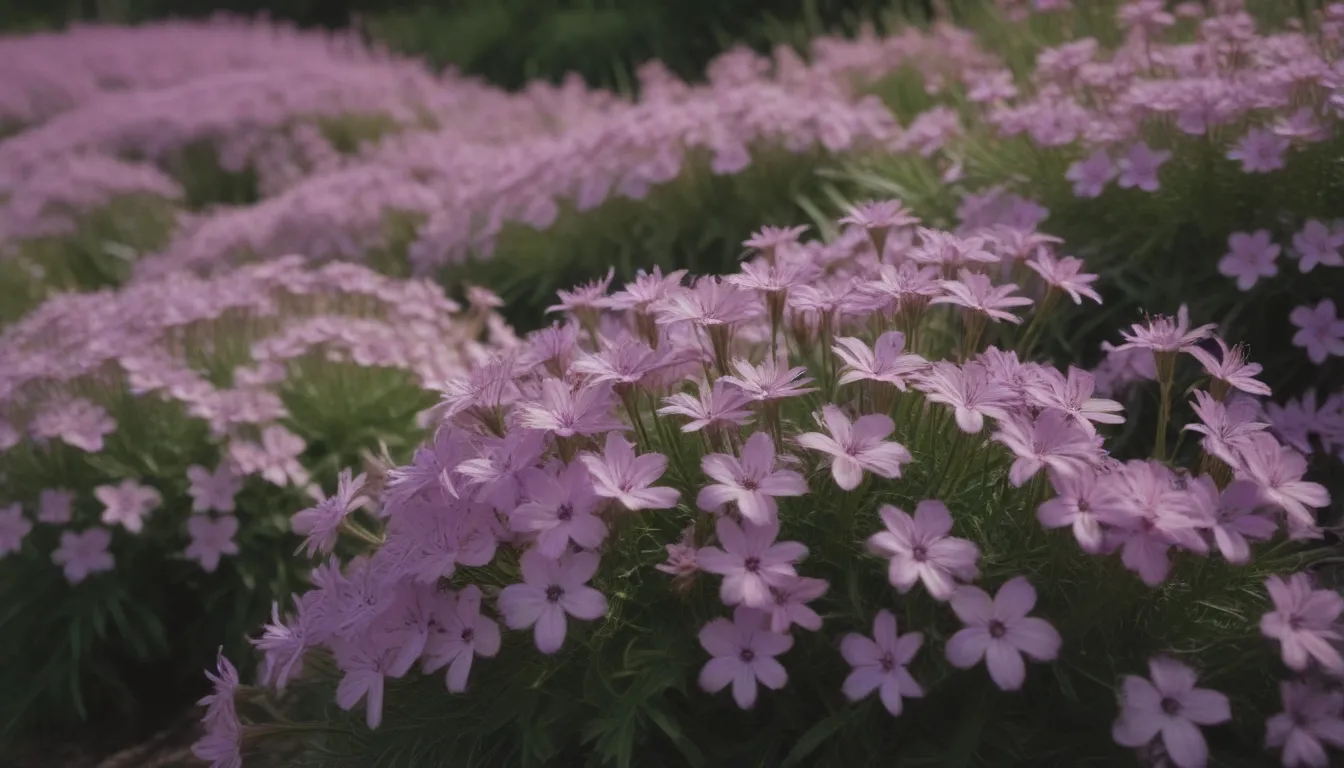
point(554, 593)
point(1171, 706)
point(919, 553)
point(752, 564)
point(887, 663)
point(565, 513)
point(750, 485)
point(997, 630)
point(1084, 506)
point(468, 634)
point(747, 655)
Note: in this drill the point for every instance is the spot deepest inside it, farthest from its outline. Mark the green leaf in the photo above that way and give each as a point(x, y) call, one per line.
point(816, 736)
point(669, 727)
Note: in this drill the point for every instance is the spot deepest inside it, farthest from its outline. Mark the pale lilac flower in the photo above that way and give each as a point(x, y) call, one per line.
point(1165, 334)
point(276, 458)
point(920, 549)
point(969, 390)
point(1249, 258)
point(681, 562)
point(1078, 500)
point(880, 664)
point(1305, 622)
point(1051, 440)
point(768, 239)
point(211, 538)
point(565, 411)
point(1065, 274)
point(628, 362)
point(1318, 243)
point(1260, 151)
point(127, 504)
point(559, 510)
point(619, 474)
point(14, 528)
point(880, 214)
point(1139, 166)
point(647, 287)
point(1170, 707)
point(1151, 515)
point(857, 447)
point(496, 475)
point(1321, 331)
point(947, 250)
point(1073, 397)
point(788, 604)
point(81, 554)
point(223, 732)
point(213, 490)
point(743, 652)
point(1302, 125)
point(993, 86)
point(711, 302)
point(586, 299)
point(769, 380)
point(1232, 368)
point(999, 631)
point(884, 362)
point(55, 506)
point(284, 644)
point(752, 483)
point(717, 404)
point(1227, 429)
point(750, 561)
point(465, 634)
point(976, 292)
point(364, 667)
point(1278, 470)
point(1312, 718)
point(219, 703)
point(320, 525)
point(552, 589)
point(1091, 174)
point(1234, 511)
point(76, 422)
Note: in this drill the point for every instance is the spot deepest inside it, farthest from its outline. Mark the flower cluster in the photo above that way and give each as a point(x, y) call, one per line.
point(759, 428)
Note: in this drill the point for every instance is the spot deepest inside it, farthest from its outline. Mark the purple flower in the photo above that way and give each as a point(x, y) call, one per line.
point(1065, 274)
point(213, 490)
point(1165, 334)
point(1138, 168)
point(1091, 174)
point(76, 422)
point(750, 562)
point(586, 299)
point(1318, 244)
point(1076, 504)
point(880, 664)
point(1321, 331)
point(211, 538)
point(14, 527)
point(884, 362)
point(284, 644)
point(223, 732)
point(880, 214)
point(717, 404)
point(976, 292)
point(1073, 397)
point(552, 589)
point(1278, 470)
point(999, 631)
point(1304, 622)
point(769, 239)
point(681, 562)
point(969, 390)
point(1234, 513)
point(364, 665)
point(857, 447)
point(1260, 151)
point(496, 475)
point(619, 474)
point(559, 510)
point(55, 506)
point(709, 303)
point(752, 483)
point(743, 652)
point(1226, 428)
point(1170, 707)
point(321, 524)
point(465, 634)
point(565, 412)
point(1249, 258)
point(1232, 369)
point(769, 381)
point(127, 504)
point(1311, 719)
point(788, 604)
point(948, 250)
point(81, 554)
point(1050, 440)
point(919, 549)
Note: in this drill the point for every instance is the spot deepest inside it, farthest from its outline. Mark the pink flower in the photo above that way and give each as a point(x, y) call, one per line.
point(127, 504)
point(1232, 368)
point(321, 524)
point(1138, 168)
point(55, 506)
point(769, 381)
point(14, 527)
point(465, 635)
point(284, 644)
point(81, 554)
point(681, 563)
point(770, 238)
point(1172, 707)
point(1260, 151)
point(880, 664)
point(1000, 632)
point(1312, 718)
point(211, 538)
point(1227, 429)
point(1278, 470)
point(552, 589)
point(857, 447)
point(969, 390)
point(586, 298)
point(1318, 244)
point(788, 604)
point(719, 404)
point(884, 362)
point(1091, 174)
point(1234, 513)
point(219, 703)
point(619, 474)
point(223, 732)
point(751, 562)
point(560, 510)
point(213, 490)
point(1249, 258)
point(976, 292)
point(1304, 622)
point(1050, 440)
point(752, 483)
point(565, 411)
point(276, 458)
point(1165, 334)
point(1321, 331)
point(77, 422)
point(1077, 501)
point(743, 652)
point(919, 549)
point(880, 214)
point(496, 474)
point(364, 666)
point(1065, 274)
point(1073, 397)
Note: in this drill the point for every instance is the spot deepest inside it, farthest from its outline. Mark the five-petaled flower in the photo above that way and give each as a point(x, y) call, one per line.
point(999, 631)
